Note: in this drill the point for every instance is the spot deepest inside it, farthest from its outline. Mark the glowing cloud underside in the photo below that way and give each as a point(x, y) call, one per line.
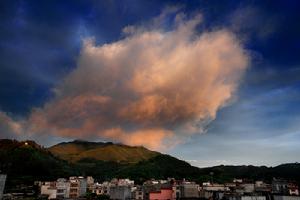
point(151, 88)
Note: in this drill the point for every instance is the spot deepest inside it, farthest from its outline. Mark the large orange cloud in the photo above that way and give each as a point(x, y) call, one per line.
point(150, 88)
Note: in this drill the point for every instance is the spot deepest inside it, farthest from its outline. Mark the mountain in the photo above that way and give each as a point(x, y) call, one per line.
point(77, 150)
point(26, 161)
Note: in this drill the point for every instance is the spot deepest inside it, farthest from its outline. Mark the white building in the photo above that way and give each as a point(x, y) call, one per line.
point(78, 186)
point(63, 188)
point(49, 189)
point(90, 183)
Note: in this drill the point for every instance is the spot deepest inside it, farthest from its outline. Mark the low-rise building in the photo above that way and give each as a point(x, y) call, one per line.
point(78, 186)
point(90, 183)
point(120, 192)
point(138, 194)
point(253, 198)
point(63, 188)
point(162, 194)
point(245, 197)
point(293, 189)
point(282, 197)
point(188, 190)
point(280, 186)
point(49, 189)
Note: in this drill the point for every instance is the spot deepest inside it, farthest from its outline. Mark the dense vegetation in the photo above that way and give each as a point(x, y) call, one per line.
point(25, 162)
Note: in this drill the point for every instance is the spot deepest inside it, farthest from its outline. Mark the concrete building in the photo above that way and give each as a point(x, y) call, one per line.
point(162, 194)
point(215, 187)
point(63, 188)
point(78, 186)
point(120, 192)
point(90, 183)
point(126, 182)
point(138, 193)
point(280, 186)
point(188, 190)
point(248, 187)
point(293, 189)
point(2, 184)
point(74, 187)
point(83, 186)
point(279, 197)
point(49, 189)
point(245, 197)
point(253, 198)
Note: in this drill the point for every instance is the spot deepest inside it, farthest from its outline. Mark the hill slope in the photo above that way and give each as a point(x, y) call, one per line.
point(27, 161)
point(77, 150)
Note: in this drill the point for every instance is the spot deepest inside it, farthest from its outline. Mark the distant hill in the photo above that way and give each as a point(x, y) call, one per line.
point(77, 150)
point(27, 161)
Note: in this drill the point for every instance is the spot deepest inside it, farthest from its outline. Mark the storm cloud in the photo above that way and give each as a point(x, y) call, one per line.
point(154, 87)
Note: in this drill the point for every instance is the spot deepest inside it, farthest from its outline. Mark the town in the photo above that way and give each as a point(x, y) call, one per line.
point(81, 188)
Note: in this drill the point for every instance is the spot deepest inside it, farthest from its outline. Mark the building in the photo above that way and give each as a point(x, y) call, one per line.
point(120, 192)
point(278, 197)
point(253, 198)
point(215, 187)
point(215, 191)
point(248, 188)
point(280, 186)
point(90, 183)
point(2, 184)
point(74, 187)
point(49, 189)
point(62, 188)
point(293, 189)
point(187, 190)
point(138, 193)
point(78, 186)
point(162, 194)
point(262, 188)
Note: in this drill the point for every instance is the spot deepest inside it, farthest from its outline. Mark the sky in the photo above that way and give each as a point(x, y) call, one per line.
point(210, 82)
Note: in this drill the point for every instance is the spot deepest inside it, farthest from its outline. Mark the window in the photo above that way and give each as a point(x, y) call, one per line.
point(60, 191)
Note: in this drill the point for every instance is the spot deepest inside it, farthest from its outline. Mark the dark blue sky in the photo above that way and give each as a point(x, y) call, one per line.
point(40, 42)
